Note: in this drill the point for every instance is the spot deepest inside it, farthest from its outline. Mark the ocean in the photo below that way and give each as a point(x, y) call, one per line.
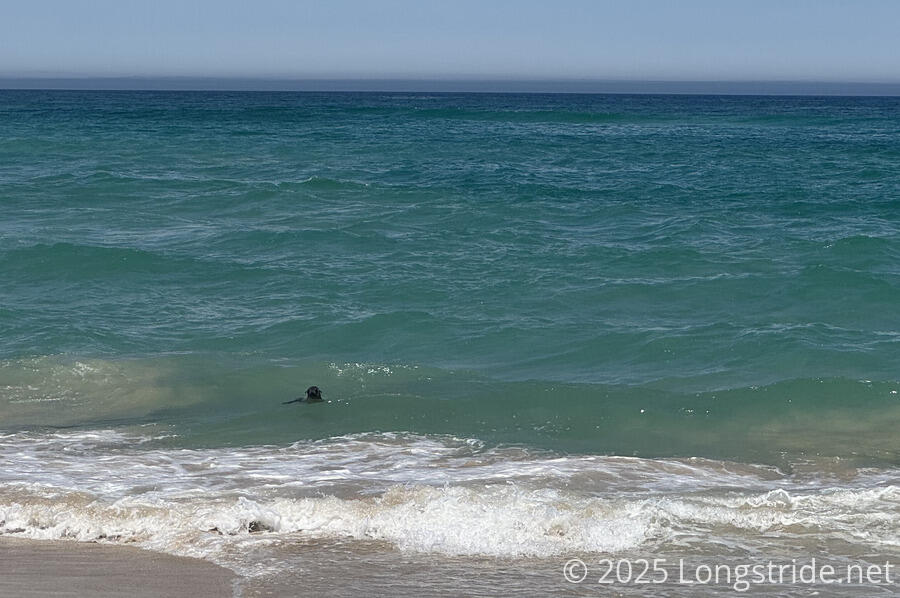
point(612, 328)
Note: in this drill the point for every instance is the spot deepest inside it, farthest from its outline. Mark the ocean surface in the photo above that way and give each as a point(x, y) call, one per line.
point(546, 327)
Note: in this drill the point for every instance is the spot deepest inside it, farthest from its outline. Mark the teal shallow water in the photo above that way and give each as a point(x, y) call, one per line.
point(677, 244)
point(687, 243)
point(546, 326)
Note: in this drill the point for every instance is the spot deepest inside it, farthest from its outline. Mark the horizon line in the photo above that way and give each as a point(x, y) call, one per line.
point(449, 85)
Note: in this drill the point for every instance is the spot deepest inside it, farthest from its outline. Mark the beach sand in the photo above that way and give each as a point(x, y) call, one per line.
point(29, 569)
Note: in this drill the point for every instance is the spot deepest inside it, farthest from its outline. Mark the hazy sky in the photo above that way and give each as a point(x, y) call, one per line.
point(831, 40)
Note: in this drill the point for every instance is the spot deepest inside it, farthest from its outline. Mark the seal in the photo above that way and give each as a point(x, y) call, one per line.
point(313, 395)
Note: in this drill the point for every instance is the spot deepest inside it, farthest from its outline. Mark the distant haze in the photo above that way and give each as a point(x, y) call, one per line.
point(637, 40)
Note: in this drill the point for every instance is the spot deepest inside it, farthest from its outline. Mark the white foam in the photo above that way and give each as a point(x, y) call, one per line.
point(424, 494)
point(497, 520)
point(501, 521)
point(363, 462)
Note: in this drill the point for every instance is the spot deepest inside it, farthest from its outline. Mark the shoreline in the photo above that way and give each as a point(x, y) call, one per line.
point(38, 568)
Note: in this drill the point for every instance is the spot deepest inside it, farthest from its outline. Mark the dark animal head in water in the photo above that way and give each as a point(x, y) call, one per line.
point(313, 395)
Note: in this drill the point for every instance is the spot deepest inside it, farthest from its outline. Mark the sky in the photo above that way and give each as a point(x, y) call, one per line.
point(664, 40)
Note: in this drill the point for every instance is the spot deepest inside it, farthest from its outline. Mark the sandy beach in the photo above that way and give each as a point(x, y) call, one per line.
point(32, 569)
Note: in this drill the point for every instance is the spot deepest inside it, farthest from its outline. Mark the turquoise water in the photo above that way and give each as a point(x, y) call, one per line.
point(561, 276)
point(573, 255)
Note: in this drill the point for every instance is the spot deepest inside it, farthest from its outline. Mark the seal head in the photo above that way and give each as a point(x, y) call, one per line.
point(313, 395)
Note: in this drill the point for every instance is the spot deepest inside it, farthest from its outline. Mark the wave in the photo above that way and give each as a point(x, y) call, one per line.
point(75, 261)
point(426, 494)
point(802, 119)
point(501, 521)
point(531, 116)
point(233, 399)
point(512, 115)
point(323, 183)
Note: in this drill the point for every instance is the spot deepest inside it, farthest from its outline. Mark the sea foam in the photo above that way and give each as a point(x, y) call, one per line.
point(440, 495)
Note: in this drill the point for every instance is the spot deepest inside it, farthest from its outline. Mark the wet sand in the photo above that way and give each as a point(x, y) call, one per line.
point(31, 569)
